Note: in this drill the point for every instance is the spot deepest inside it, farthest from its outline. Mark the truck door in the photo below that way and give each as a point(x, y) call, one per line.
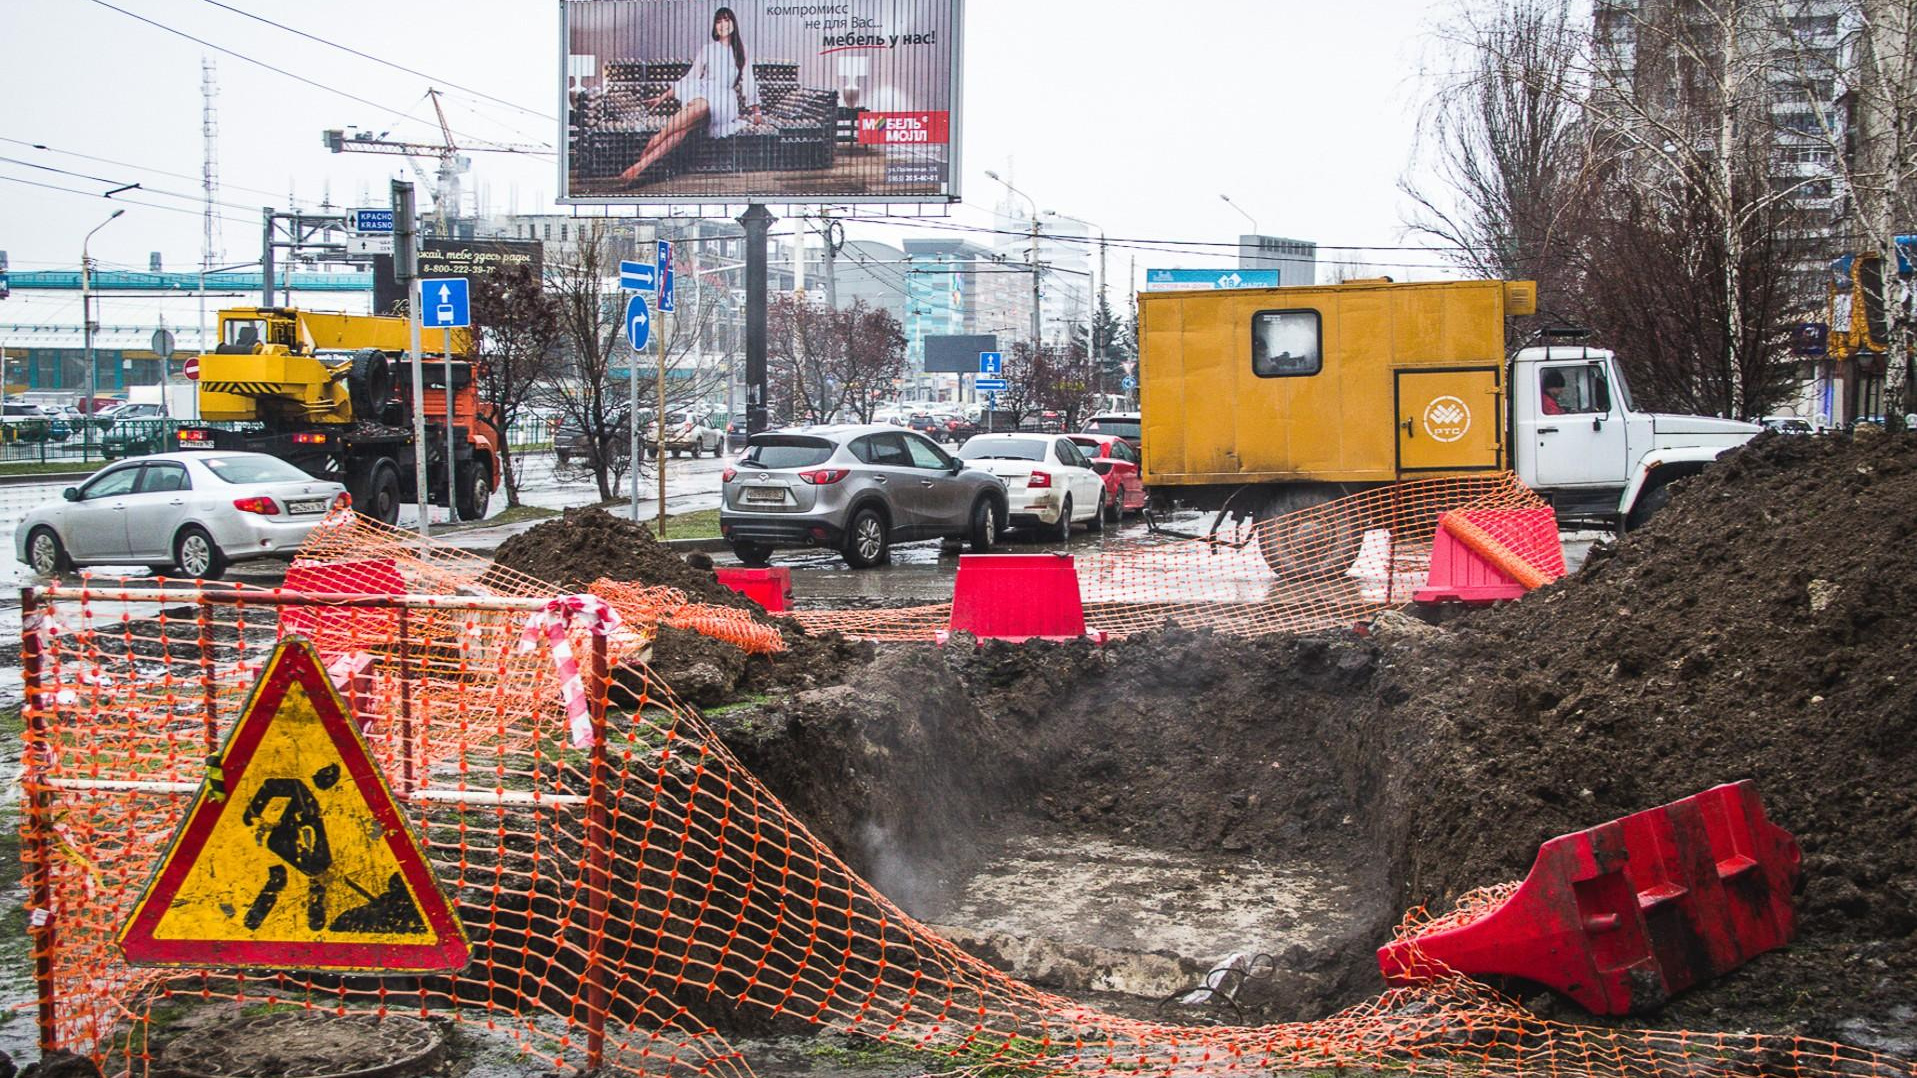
point(1448, 420)
point(1577, 431)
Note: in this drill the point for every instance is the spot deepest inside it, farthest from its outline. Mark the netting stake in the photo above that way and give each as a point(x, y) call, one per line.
point(405, 709)
point(211, 689)
point(598, 863)
point(39, 838)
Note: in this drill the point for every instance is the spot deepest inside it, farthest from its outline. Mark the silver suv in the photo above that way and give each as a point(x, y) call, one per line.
point(856, 489)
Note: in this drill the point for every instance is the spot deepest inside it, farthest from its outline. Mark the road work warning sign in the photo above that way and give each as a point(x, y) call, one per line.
point(294, 854)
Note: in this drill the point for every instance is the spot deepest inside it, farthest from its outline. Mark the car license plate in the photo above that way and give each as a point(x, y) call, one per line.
point(765, 495)
point(306, 505)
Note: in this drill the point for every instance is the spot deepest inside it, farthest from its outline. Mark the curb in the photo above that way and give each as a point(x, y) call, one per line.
point(686, 545)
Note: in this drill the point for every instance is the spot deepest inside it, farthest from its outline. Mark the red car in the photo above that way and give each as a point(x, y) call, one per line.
point(1115, 459)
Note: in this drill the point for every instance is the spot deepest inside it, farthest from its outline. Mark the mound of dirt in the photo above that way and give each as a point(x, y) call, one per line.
point(1760, 628)
point(583, 545)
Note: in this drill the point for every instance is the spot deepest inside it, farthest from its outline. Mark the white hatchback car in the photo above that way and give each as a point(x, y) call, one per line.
point(1048, 480)
point(195, 512)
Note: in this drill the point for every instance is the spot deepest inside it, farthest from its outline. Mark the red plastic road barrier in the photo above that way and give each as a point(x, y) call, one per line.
point(374, 576)
point(1486, 555)
point(770, 588)
point(1017, 597)
point(1628, 913)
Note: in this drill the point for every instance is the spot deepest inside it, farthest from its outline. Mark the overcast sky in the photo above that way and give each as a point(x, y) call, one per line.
point(1134, 116)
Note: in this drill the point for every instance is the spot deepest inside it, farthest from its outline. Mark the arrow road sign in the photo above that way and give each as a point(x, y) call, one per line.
point(444, 303)
point(989, 383)
point(991, 363)
point(665, 275)
point(638, 323)
point(637, 276)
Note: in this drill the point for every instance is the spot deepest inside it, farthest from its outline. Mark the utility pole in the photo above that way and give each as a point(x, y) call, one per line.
point(831, 253)
point(1037, 298)
point(266, 256)
point(86, 332)
point(406, 272)
point(757, 222)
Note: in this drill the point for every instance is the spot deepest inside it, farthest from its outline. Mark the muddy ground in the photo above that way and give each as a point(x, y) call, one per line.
point(1760, 628)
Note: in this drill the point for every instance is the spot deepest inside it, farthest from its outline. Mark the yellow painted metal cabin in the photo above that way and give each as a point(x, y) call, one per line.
point(1362, 382)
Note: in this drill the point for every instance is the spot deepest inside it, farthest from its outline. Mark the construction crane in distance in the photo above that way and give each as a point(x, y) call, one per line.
point(452, 162)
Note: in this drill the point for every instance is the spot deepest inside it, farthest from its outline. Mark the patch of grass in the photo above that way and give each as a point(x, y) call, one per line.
point(739, 705)
point(517, 514)
point(51, 467)
point(699, 524)
point(12, 723)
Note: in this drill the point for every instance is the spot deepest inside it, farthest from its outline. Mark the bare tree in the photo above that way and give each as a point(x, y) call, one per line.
point(1505, 141)
point(517, 327)
point(588, 397)
point(874, 357)
point(804, 353)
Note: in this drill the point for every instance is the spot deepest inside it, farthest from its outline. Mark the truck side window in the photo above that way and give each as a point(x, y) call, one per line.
point(1573, 389)
point(1286, 344)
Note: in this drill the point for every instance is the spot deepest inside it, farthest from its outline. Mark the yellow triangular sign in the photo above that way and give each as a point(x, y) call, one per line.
point(295, 854)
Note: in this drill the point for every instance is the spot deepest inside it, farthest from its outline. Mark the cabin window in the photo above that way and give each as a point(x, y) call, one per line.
point(1286, 344)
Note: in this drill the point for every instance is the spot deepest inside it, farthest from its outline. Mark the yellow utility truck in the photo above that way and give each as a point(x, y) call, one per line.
point(1259, 402)
point(332, 394)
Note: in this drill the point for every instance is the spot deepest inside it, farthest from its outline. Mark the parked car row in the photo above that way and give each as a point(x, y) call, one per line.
point(859, 488)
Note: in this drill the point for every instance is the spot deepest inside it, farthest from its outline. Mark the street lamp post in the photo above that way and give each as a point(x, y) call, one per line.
point(1241, 213)
point(86, 333)
point(1032, 255)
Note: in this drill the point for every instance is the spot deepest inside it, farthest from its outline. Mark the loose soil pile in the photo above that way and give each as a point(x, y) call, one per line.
point(584, 545)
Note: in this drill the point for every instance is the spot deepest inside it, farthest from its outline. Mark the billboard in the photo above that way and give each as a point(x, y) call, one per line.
point(957, 353)
point(784, 101)
point(1199, 280)
point(454, 258)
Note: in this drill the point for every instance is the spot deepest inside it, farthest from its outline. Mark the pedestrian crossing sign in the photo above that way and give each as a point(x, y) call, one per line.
point(295, 854)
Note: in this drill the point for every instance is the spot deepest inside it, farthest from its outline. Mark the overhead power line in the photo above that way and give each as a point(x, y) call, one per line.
point(128, 164)
point(472, 141)
point(434, 79)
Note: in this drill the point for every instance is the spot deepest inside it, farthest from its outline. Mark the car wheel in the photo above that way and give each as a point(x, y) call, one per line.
point(197, 556)
point(698, 449)
point(866, 541)
point(751, 555)
point(1065, 520)
point(46, 554)
point(1097, 522)
point(565, 458)
point(985, 526)
point(1114, 509)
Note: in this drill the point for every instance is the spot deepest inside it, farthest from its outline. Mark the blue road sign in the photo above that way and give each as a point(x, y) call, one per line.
point(1129, 382)
point(991, 363)
point(638, 323)
point(989, 383)
point(991, 401)
point(637, 276)
point(443, 303)
point(372, 220)
point(664, 266)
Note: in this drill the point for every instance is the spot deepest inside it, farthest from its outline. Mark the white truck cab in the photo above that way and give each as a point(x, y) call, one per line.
point(1576, 439)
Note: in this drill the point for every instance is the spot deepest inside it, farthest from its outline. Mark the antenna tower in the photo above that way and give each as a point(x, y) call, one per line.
point(210, 253)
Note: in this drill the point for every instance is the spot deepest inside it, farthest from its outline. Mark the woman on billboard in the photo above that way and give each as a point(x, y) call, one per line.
point(713, 95)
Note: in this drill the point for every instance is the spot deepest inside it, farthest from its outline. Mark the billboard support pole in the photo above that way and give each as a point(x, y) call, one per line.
point(406, 272)
point(757, 222)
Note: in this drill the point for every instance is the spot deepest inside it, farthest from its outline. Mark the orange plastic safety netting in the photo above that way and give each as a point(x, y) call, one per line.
point(1326, 565)
point(625, 902)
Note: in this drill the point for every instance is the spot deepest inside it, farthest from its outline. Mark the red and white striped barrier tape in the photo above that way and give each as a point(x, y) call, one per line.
point(595, 616)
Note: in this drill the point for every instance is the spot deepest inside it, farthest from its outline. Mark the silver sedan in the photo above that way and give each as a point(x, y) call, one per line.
point(194, 512)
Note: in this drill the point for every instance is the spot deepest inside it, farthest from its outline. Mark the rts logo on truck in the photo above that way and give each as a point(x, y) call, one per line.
point(1446, 419)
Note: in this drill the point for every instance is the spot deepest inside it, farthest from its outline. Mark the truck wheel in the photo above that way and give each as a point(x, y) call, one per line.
point(475, 490)
point(1299, 545)
point(1652, 499)
point(377, 495)
point(369, 383)
point(197, 555)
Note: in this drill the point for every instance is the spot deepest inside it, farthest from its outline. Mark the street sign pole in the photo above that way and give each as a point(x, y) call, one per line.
point(406, 270)
point(452, 502)
point(665, 293)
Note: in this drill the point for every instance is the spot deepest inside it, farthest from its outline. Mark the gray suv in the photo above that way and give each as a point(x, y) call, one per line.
point(855, 489)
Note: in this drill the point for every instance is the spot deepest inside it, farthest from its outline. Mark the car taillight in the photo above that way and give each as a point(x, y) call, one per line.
point(262, 505)
point(196, 436)
point(820, 477)
point(728, 475)
point(1039, 479)
point(342, 500)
